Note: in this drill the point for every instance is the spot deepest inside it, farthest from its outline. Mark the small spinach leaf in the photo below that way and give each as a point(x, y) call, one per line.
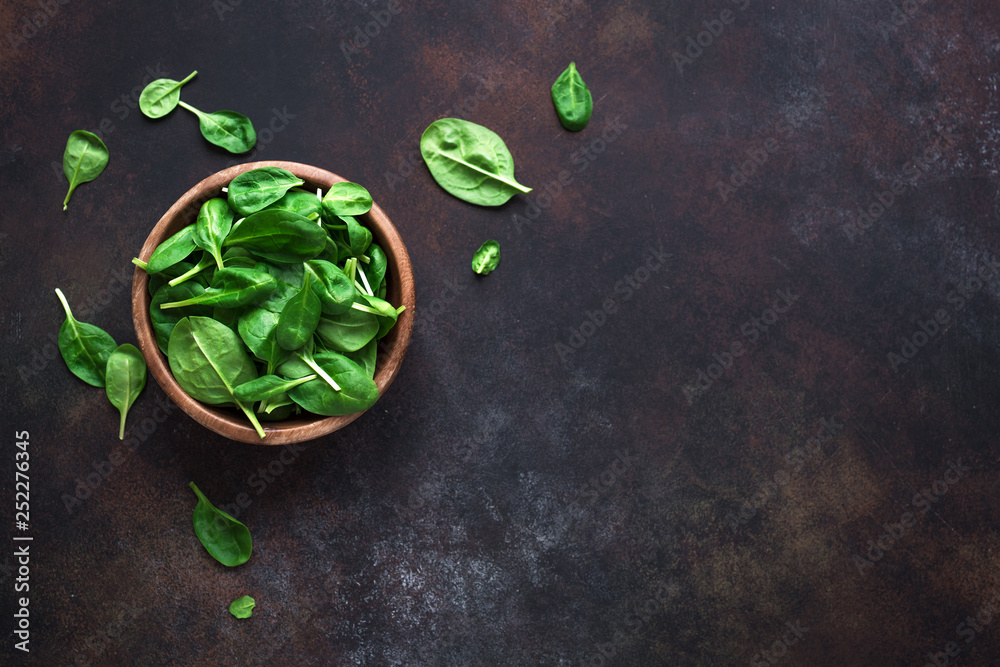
point(225, 538)
point(242, 607)
point(85, 158)
point(160, 97)
point(125, 378)
point(486, 258)
point(572, 99)
point(346, 198)
point(172, 251)
point(215, 220)
point(299, 317)
point(85, 348)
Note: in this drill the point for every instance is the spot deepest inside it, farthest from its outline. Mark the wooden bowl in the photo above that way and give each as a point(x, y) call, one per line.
point(229, 422)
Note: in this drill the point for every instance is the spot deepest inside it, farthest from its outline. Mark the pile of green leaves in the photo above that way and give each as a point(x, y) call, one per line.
point(273, 301)
point(93, 356)
point(227, 129)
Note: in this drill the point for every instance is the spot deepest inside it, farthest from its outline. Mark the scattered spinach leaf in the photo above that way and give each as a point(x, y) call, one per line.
point(84, 347)
point(572, 99)
point(125, 378)
point(242, 607)
point(84, 159)
point(226, 539)
point(486, 258)
point(160, 97)
point(226, 129)
point(470, 161)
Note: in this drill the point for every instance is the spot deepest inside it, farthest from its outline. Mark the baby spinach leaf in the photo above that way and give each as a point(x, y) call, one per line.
point(208, 361)
point(160, 97)
point(172, 251)
point(346, 198)
point(256, 326)
point(226, 539)
point(232, 288)
point(85, 348)
point(299, 317)
point(359, 237)
point(215, 219)
point(280, 236)
point(268, 386)
point(226, 129)
point(470, 161)
point(125, 377)
point(85, 158)
point(348, 331)
point(332, 286)
point(163, 321)
point(572, 99)
point(357, 391)
point(486, 258)
point(381, 309)
point(242, 607)
point(252, 190)
point(365, 357)
point(376, 267)
point(299, 201)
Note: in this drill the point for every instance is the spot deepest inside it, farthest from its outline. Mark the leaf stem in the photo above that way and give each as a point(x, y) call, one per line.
point(189, 77)
point(320, 372)
point(253, 419)
point(65, 304)
point(141, 264)
point(193, 271)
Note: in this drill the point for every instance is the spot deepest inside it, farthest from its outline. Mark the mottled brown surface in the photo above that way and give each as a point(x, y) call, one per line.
point(477, 515)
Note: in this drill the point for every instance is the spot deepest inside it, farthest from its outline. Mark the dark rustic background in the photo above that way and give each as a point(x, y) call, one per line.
point(583, 461)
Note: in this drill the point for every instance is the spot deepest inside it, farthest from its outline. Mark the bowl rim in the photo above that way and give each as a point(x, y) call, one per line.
point(227, 422)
